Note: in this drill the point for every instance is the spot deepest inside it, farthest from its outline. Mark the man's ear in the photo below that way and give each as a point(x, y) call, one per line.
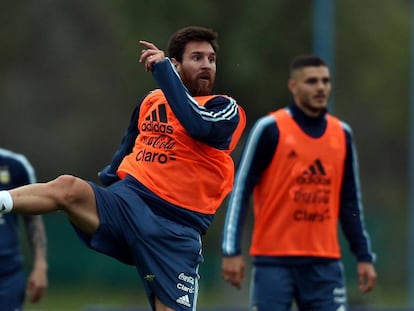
point(175, 62)
point(292, 86)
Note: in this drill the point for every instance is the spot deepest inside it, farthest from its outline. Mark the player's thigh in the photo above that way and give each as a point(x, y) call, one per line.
point(12, 291)
point(321, 287)
point(271, 289)
point(168, 255)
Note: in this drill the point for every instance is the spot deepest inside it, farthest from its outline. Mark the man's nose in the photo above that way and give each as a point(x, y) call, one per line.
point(206, 63)
point(320, 84)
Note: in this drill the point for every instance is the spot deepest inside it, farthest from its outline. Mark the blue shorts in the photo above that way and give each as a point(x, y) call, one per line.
point(316, 287)
point(166, 254)
point(12, 290)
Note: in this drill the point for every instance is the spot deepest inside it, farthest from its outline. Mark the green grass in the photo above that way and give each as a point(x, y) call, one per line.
point(72, 298)
point(76, 298)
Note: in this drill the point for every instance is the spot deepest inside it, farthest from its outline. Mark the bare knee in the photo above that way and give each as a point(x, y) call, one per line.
point(68, 191)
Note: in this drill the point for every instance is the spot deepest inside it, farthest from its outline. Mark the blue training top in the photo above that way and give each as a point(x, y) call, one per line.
point(15, 171)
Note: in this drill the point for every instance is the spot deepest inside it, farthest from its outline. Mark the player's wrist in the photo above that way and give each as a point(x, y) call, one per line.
point(6, 202)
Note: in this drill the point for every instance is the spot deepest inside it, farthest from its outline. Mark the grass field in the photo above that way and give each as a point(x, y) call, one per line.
point(73, 298)
point(76, 299)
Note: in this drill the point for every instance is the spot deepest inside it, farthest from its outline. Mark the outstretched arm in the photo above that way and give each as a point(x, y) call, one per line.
point(214, 123)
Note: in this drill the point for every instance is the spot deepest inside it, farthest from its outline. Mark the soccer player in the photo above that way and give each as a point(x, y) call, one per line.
point(300, 163)
point(174, 167)
point(15, 170)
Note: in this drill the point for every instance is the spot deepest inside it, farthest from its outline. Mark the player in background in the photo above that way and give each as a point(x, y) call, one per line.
point(167, 179)
point(300, 162)
point(15, 171)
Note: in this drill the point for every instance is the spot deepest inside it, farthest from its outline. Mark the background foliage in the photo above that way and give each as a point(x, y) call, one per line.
point(69, 79)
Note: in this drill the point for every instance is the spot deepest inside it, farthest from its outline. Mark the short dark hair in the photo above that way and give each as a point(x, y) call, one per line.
point(306, 60)
point(180, 38)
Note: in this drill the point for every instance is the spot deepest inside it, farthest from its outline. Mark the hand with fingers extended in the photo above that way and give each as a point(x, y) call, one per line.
point(232, 269)
point(150, 55)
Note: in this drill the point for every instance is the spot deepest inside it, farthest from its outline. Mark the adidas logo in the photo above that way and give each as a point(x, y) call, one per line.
point(184, 300)
point(158, 114)
point(157, 121)
point(315, 174)
point(316, 168)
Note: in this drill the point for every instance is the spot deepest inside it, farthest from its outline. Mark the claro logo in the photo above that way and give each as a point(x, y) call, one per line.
point(160, 157)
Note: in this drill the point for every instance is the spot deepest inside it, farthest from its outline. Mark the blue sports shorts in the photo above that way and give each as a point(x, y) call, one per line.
point(166, 254)
point(318, 286)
